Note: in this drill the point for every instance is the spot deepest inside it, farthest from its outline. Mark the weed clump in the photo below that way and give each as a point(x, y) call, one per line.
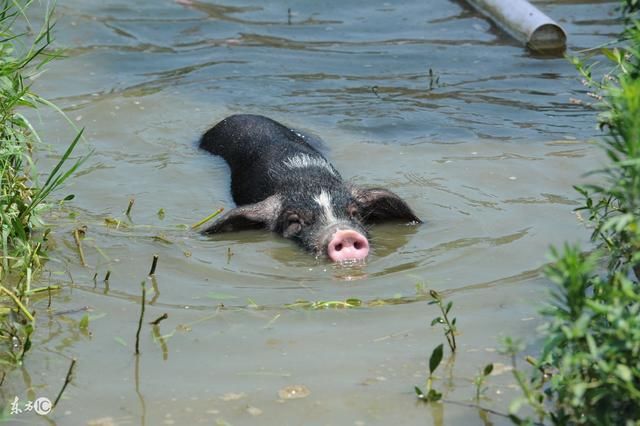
point(23, 237)
point(589, 369)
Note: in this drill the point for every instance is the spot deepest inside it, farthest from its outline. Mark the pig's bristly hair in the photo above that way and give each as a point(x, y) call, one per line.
point(324, 201)
point(303, 161)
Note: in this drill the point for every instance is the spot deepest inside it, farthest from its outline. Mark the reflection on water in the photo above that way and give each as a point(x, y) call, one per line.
point(428, 99)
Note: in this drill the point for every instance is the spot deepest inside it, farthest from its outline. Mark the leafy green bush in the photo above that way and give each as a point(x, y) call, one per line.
point(589, 370)
point(614, 206)
point(593, 343)
point(22, 202)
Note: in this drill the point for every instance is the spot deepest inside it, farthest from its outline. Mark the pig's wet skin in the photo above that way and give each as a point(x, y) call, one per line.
point(282, 183)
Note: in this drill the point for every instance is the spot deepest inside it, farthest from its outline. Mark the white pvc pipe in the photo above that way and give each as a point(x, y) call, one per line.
point(524, 22)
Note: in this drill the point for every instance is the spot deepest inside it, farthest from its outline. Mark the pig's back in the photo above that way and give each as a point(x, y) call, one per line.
point(254, 146)
point(239, 138)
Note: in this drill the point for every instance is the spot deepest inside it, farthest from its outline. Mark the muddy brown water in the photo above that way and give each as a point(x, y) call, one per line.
point(426, 98)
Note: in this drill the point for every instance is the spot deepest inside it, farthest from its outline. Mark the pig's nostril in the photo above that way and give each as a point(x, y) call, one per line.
point(347, 245)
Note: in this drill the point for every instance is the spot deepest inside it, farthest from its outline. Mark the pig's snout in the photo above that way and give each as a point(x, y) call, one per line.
point(347, 245)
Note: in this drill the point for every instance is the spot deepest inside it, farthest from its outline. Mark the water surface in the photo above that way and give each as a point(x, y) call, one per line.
point(429, 99)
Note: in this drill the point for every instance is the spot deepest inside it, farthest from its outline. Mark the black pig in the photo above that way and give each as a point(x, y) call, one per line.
point(282, 183)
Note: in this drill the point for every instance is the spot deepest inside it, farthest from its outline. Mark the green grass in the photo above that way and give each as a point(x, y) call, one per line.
point(23, 236)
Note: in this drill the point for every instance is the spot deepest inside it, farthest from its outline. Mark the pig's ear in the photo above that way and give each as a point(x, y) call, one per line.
point(379, 204)
point(262, 214)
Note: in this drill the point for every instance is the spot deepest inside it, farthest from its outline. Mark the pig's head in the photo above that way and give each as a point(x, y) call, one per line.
point(329, 221)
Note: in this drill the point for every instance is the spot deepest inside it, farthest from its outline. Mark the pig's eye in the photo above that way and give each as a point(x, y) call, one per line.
point(293, 218)
point(352, 211)
point(294, 224)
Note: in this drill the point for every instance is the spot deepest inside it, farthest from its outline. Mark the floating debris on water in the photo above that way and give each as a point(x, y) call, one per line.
point(294, 392)
point(231, 396)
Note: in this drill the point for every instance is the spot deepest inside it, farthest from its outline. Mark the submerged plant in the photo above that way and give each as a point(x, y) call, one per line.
point(431, 395)
point(326, 304)
point(480, 379)
point(449, 325)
